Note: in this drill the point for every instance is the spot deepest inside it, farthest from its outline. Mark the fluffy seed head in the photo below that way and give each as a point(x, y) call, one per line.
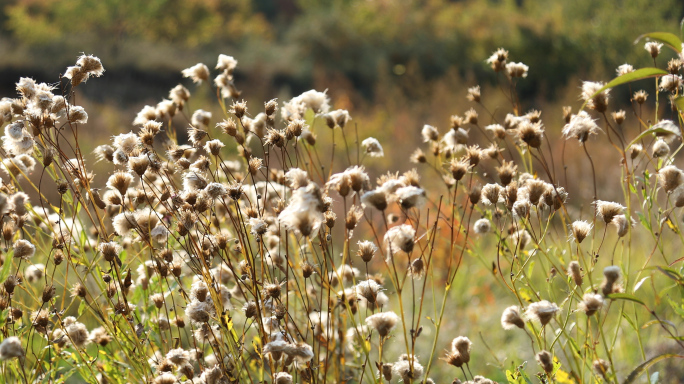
point(580, 230)
point(482, 226)
point(607, 210)
point(598, 102)
point(542, 311)
point(23, 249)
point(198, 73)
point(11, 348)
point(591, 303)
point(511, 318)
point(545, 360)
point(383, 322)
point(580, 127)
point(575, 271)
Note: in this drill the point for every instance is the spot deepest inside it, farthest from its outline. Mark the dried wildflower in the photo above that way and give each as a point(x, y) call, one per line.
point(574, 271)
point(601, 367)
point(282, 378)
point(510, 318)
point(542, 311)
point(418, 156)
point(297, 178)
point(670, 83)
point(23, 249)
point(383, 322)
point(514, 70)
point(459, 168)
point(474, 94)
point(400, 238)
point(580, 127)
point(660, 149)
point(77, 332)
point(580, 230)
point(304, 213)
point(470, 117)
point(490, 194)
point(369, 290)
point(198, 73)
point(429, 133)
point(200, 311)
point(372, 147)
point(520, 239)
point(530, 133)
point(640, 96)
point(591, 303)
point(497, 131)
point(619, 116)
point(214, 147)
point(607, 210)
point(354, 214)
point(77, 115)
point(48, 293)
point(91, 65)
point(611, 275)
point(545, 360)
point(366, 250)
point(410, 197)
point(498, 60)
point(624, 69)
point(99, 336)
point(673, 66)
point(594, 99)
point(408, 369)
point(482, 226)
point(11, 348)
point(226, 63)
point(338, 118)
point(653, 48)
point(670, 177)
point(462, 345)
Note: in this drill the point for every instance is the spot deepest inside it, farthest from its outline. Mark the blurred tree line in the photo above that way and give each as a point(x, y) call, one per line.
point(299, 44)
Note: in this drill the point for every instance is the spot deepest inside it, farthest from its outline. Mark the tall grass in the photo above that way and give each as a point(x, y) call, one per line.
point(250, 254)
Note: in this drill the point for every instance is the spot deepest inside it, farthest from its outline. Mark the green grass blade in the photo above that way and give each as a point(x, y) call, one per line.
point(625, 296)
point(6, 267)
point(647, 364)
point(639, 74)
point(667, 38)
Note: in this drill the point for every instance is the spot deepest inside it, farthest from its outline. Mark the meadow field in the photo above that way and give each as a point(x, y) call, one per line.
point(360, 204)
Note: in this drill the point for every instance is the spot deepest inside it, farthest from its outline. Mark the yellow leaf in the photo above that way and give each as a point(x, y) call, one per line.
point(563, 377)
point(672, 226)
point(525, 295)
point(102, 352)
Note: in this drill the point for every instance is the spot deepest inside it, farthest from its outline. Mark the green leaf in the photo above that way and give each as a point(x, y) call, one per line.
point(6, 267)
point(81, 307)
point(678, 308)
point(647, 364)
point(665, 322)
point(648, 132)
point(625, 296)
point(639, 74)
point(679, 102)
point(630, 322)
point(3, 317)
point(671, 273)
point(667, 38)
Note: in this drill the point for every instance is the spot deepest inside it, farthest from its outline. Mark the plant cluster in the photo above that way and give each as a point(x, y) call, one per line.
point(287, 264)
